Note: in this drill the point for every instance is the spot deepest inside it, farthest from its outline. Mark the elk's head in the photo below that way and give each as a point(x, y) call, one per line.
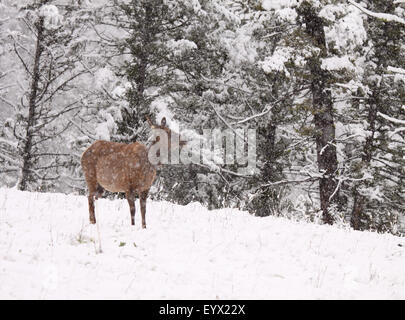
point(164, 140)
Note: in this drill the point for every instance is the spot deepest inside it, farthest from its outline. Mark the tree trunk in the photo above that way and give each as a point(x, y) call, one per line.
point(325, 143)
point(323, 114)
point(28, 143)
point(360, 200)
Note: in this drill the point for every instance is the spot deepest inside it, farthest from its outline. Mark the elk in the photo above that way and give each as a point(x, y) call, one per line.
point(121, 167)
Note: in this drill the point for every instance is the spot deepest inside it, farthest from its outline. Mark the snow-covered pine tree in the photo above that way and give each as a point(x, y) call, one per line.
point(48, 47)
point(171, 56)
point(377, 160)
point(322, 108)
point(263, 93)
point(299, 100)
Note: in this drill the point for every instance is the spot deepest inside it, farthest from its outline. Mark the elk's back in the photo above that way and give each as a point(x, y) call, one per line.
point(119, 167)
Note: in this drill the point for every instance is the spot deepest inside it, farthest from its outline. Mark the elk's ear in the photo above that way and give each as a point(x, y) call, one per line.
point(163, 122)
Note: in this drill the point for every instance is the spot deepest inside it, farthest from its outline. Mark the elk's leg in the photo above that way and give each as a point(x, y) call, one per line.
point(91, 209)
point(92, 186)
point(92, 197)
point(142, 199)
point(99, 192)
point(131, 201)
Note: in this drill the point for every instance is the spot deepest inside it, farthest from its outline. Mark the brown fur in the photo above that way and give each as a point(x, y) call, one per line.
point(119, 167)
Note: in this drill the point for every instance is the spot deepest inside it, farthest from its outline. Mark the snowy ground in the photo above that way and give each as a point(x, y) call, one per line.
point(49, 250)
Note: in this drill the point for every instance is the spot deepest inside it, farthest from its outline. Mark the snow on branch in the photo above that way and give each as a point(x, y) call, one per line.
point(51, 16)
point(393, 120)
point(9, 103)
point(226, 123)
point(396, 70)
point(382, 16)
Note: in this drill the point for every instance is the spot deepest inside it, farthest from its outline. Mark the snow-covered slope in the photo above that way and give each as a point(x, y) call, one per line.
point(49, 250)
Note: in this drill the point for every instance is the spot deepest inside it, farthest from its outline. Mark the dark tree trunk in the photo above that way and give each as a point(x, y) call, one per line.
point(325, 142)
point(270, 151)
point(357, 212)
point(32, 104)
point(357, 216)
point(323, 114)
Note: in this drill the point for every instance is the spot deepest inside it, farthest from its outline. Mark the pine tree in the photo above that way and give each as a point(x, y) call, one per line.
point(172, 58)
point(379, 160)
point(49, 73)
